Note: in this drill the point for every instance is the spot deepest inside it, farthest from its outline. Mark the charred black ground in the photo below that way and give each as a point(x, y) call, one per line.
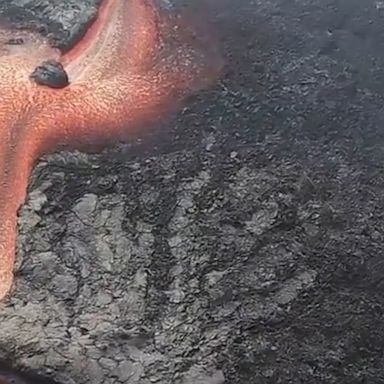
point(242, 246)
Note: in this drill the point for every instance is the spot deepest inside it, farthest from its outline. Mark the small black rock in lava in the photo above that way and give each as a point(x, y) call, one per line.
point(50, 73)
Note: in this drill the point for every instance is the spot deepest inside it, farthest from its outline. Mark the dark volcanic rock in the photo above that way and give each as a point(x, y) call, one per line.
point(62, 21)
point(50, 73)
point(245, 244)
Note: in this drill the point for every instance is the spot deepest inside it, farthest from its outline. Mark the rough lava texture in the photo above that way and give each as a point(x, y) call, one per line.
point(62, 21)
point(135, 65)
point(242, 246)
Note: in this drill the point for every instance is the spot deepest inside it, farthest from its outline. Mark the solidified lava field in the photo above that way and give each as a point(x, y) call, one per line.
point(242, 245)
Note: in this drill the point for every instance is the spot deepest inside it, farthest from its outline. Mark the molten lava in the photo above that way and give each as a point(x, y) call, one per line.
point(135, 63)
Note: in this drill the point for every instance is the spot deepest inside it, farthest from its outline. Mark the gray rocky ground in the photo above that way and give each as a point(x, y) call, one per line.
point(242, 245)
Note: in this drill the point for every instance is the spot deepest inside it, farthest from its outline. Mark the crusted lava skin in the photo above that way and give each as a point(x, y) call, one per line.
point(134, 64)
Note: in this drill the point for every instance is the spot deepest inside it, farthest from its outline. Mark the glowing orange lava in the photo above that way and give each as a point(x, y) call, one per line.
point(133, 65)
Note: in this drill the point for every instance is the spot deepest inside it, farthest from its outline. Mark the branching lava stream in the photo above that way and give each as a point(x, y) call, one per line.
point(134, 64)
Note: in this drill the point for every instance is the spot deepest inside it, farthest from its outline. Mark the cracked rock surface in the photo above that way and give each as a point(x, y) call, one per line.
point(241, 244)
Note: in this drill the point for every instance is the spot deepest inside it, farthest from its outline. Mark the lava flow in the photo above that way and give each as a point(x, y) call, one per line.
point(134, 64)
